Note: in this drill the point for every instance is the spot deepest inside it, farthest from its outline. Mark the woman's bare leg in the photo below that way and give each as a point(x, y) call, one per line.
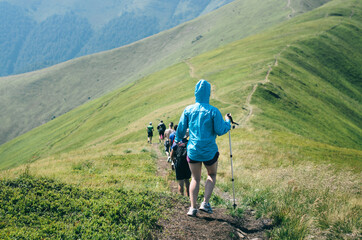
point(195, 182)
point(211, 181)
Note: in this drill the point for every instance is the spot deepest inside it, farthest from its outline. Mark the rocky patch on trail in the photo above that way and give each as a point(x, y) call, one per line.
point(218, 225)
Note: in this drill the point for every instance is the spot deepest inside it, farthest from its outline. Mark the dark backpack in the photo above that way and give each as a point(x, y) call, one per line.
point(161, 127)
point(149, 129)
point(181, 152)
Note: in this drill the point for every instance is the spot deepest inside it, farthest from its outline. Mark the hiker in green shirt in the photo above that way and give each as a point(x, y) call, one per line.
point(150, 133)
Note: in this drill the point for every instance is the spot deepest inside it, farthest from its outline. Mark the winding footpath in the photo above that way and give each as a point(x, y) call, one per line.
point(291, 8)
point(265, 81)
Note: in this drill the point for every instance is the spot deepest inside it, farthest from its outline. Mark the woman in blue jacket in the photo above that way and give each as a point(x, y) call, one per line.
point(205, 122)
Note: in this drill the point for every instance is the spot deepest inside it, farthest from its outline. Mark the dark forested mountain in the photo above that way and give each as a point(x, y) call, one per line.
point(124, 29)
point(57, 39)
point(39, 33)
point(12, 38)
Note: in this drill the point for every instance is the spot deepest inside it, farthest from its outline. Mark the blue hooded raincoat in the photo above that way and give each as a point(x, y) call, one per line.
point(204, 122)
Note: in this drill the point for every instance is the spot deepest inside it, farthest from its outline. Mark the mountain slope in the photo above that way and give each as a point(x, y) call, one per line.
point(32, 99)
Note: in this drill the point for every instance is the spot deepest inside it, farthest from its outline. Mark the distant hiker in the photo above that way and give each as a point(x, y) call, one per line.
point(167, 141)
point(161, 127)
point(205, 122)
point(150, 133)
point(172, 140)
point(182, 169)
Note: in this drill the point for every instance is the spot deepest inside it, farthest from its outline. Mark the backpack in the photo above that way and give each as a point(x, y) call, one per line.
point(163, 126)
point(149, 129)
point(181, 152)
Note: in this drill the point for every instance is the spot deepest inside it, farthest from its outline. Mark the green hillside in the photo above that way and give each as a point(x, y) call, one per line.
point(295, 89)
point(32, 99)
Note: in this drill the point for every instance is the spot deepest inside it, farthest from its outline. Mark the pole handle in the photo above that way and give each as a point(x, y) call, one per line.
point(231, 119)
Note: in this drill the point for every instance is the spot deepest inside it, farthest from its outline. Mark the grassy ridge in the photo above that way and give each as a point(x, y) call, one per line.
point(288, 164)
point(326, 69)
point(314, 82)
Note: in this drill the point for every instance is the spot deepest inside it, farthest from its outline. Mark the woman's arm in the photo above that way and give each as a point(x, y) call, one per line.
point(221, 126)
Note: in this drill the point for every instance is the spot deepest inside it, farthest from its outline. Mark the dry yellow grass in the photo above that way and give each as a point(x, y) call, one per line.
point(131, 166)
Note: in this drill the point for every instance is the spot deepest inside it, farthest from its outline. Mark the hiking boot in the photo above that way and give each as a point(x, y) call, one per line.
point(192, 212)
point(205, 207)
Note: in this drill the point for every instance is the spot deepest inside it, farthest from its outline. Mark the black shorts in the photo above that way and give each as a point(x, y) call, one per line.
point(150, 134)
point(182, 170)
point(207, 163)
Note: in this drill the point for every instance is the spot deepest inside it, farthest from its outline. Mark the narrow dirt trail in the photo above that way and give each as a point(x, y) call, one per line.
point(193, 74)
point(164, 168)
point(192, 70)
point(291, 8)
point(248, 99)
point(266, 80)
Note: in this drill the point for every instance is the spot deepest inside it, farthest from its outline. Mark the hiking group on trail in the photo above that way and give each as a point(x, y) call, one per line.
point(192, 143)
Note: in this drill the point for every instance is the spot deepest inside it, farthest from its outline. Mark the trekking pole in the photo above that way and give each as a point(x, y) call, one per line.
point(232, 171)
point(231, 158)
